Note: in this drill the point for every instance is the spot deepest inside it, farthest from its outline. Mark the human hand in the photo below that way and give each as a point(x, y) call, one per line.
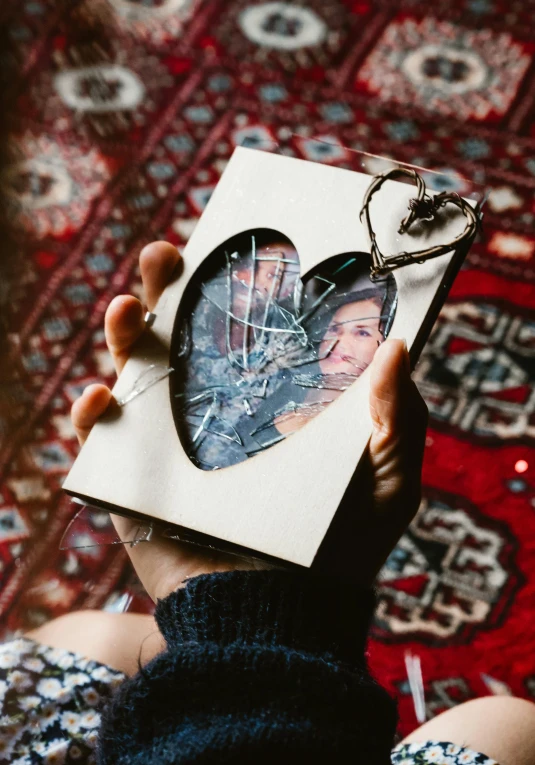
point(162, 564)
point(387, 483)
point(385, 491)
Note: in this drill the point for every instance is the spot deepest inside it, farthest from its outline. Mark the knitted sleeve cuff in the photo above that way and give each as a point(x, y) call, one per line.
point(272, 608)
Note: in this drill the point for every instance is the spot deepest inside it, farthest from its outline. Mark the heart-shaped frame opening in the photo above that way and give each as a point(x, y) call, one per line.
point(257, 351)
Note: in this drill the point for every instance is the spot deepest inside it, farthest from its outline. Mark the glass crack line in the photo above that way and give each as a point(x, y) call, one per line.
point(279, 330)
point(149, 377)
point(319, 300)
point(291, 409)
point(344, 265)
point(391, 315)
point(205, 419)
point(248, 307)
point(336, 381)
point(235, 437)
point(199, 396)
point(310, 360)
point(231, 357)
point(262, 393)
point(265, 446)
point(276, 282)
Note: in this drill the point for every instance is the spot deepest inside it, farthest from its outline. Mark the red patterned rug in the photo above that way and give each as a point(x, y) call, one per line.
point(126, 113)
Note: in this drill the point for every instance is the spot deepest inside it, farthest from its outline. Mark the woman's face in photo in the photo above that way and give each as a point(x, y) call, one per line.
point(355, 327)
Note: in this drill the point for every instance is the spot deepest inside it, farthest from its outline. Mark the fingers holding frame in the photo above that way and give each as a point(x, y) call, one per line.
point(163, 564)
point(123, 325)
point(159, 262)
point(399, 416)
point(87, 409)
point(124, 320)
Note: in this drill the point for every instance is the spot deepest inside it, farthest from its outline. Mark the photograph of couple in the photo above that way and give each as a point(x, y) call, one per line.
point(257, 352)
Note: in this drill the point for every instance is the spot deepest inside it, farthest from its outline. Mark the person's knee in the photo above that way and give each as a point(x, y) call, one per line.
point(503, 712)
point(76, 620)
point(505, 726)
point(501, 707)
point(501, 727)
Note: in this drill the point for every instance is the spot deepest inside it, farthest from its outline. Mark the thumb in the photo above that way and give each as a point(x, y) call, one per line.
point(390, 378)
point(384, 493)
point(399, 417)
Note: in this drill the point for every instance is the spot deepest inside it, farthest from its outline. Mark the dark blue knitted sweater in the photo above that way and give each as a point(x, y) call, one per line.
point(260, 667)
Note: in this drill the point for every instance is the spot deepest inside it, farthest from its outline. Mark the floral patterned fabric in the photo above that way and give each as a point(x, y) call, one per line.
point(50, 700)
point(438, 753)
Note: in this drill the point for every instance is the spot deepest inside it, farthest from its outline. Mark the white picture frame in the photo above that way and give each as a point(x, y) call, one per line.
point(135, 463)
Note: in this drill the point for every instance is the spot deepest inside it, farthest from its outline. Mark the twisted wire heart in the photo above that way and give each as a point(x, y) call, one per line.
point(424, 208)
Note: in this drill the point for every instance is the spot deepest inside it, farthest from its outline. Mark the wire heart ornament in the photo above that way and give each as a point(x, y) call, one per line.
point(421, 208)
